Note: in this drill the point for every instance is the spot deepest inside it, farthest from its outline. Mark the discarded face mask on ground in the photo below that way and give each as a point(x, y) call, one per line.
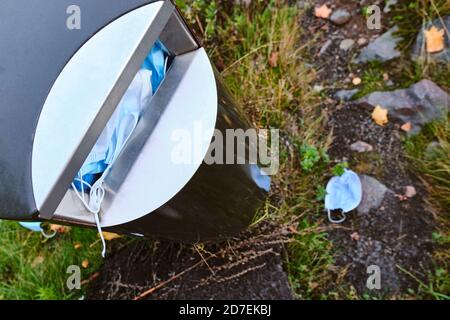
point(343, 193)
point(36, 227)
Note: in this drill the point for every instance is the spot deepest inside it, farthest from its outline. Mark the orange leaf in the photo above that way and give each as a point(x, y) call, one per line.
point(355, 236)
point(380, 116)
point(435, 39)
point(273, 60)
point(59, 228)
point(406, 127)
point(85, 263)
point(322, 12)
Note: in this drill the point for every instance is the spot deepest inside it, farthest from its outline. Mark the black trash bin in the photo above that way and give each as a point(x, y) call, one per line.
point(58, 89)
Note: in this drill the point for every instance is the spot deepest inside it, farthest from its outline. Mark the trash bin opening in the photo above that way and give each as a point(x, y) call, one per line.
point(121, 125)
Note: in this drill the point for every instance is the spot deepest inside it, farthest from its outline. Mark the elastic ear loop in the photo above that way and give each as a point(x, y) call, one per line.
point(48, 236)
point(336, 221)
point(96, 197)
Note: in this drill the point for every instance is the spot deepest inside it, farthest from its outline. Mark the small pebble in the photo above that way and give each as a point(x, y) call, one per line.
point(361, 146)
point(340, 17)
point(318, 88)
point(346, 44)
point(362, 41)
point(410, 191)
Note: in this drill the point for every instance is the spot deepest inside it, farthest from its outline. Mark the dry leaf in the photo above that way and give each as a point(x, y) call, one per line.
point(410, 191)
point(406, 127)
point(355, 236)
point(59, 228)
point(77, 246)
point(37, 260)
point(435, 39)
point(322, 12)
point(356, 81)
point(380, 116)
point(313, 285)
point(273, 60)
point(110, 236)
point(85, 263)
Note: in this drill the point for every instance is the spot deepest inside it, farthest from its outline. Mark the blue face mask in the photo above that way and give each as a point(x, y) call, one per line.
point(124, 119)
point(117, 132)
point(33, 226)
point(344, 193)
point(118, 129)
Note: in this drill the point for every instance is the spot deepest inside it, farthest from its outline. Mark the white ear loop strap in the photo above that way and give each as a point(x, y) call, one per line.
point(336, 221)
point(96, 196)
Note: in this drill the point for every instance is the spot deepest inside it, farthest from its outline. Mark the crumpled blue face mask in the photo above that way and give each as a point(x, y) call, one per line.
point(344, 193)
point(117, 132)
point(120, 126)
point(156, 63)
point(124, 119)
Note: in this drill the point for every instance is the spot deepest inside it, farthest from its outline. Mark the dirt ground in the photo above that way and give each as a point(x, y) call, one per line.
point(395, 236)
point(249, 268)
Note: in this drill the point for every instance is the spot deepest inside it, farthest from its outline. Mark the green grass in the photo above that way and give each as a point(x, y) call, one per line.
point(32, 267)
point(279, 95)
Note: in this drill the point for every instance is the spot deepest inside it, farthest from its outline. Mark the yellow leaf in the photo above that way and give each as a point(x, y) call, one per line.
point(77, 246)
point(110, 236)
point(380, 116)
point(85, 263)
point(38, 260)
point(406, 127)
point(356, 81)
point(322, 12)
point(435, 39)
point(59, 228)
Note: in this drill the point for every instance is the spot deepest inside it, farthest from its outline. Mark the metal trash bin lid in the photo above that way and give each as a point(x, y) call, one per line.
point(35, 50)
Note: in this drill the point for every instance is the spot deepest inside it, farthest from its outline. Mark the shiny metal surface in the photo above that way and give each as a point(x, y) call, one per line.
point(217, 202)
point(176, 36)
point(85, 95)
point(144, 176)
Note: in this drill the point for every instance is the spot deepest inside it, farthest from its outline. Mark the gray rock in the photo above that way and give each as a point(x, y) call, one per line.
point(419, 48)
point(346, 95)
point(381, 49)
point(361, 146)
point(421, 103)
point(346, 44)
point(373, 193)
point(340, 17)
